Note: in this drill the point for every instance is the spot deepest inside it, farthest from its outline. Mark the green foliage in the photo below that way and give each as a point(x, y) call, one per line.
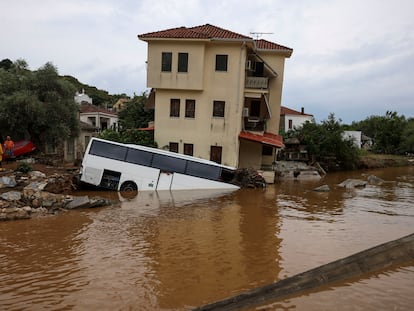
point(386, 131)
point(135, 136)
point(130, 136)
point(37, 104)
point(112, 135)
point(133, 115)
point(325, 143)
point(407, 139)
point(6, 64)
point(99, 97)
point(24, 168)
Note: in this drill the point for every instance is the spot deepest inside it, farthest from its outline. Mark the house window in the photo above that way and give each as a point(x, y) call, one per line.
point(50, 148)
point(189, 108)
point(189, 149)
point(259, 69)
point(174, 107)
point(215, 153)
point(267, 150)
point(290, 124)
point(218, 108)
point(173, 147)
point(92, 120)
point(221, 62)
point(166, 61)
point(182, 62)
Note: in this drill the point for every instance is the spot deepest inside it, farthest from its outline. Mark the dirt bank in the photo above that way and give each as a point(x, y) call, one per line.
point(383, 160)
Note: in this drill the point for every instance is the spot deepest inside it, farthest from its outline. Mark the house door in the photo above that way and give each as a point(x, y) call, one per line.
point(70, 150)
point(215, 154)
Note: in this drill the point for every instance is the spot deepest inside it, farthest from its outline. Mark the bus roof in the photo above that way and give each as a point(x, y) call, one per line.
point(165, 152)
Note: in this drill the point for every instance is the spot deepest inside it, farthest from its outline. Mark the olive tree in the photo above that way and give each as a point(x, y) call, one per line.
point(37, 104)
point(325, 143)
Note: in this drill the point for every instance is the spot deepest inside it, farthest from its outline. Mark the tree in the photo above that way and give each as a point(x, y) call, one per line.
point(325, 143)
point(386, 131)
point(38, 105)
point(130, 136)
point(6, 64)
point(134, 115)
point(407, 140)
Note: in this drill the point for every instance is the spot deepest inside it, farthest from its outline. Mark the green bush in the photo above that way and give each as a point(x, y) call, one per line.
point(24, 167)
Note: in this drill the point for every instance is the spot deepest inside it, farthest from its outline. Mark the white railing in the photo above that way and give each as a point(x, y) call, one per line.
point(256, 82)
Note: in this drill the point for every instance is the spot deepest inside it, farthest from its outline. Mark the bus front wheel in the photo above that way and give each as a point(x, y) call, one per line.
point(129, 186)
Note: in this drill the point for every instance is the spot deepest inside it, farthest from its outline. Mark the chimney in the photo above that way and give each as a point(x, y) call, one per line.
point(302, 110)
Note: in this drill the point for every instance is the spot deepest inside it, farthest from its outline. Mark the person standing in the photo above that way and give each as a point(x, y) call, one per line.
point(1, 155)
point(9, 147)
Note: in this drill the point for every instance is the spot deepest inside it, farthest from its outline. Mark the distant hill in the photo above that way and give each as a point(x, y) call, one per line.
point(99, 97)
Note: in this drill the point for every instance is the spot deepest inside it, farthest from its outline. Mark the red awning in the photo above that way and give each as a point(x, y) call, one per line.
point(267, 138)
point(151, 128)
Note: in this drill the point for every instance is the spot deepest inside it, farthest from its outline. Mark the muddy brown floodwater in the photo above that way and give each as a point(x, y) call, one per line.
point(176, 251)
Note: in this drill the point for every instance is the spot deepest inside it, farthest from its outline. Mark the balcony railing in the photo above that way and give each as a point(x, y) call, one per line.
point(254, 124)
point(256, 82)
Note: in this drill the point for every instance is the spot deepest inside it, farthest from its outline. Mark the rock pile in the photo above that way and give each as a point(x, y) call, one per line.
point(248, 178)
point(36, 194)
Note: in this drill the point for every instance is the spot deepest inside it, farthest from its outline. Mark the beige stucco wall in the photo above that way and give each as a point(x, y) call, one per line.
point(205, 130)
point(275, 89)
point(250, 154)
point(192, 80)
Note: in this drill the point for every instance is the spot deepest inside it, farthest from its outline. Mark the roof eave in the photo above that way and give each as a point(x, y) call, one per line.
point(246, 40)
point(174, 39)
point(287, 53)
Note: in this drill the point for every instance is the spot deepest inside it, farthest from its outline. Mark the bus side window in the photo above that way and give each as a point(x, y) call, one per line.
point(139, 157)
point(203, 170)
point(168, 163)
point(107, 150)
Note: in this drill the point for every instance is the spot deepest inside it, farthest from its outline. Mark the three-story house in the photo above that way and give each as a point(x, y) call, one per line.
point(217, 94)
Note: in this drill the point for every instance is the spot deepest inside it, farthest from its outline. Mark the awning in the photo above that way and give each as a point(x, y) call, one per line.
point(150, 128)
point(272, 71)
point(267, 105)
point(266, 139)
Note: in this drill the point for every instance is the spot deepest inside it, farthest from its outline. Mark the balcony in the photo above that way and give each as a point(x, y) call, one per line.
point(254, 124)
point(256, 83)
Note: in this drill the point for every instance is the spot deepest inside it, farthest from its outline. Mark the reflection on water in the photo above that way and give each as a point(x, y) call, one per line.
point(177, 250)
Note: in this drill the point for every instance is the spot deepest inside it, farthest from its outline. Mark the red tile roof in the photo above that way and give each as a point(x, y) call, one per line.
point(266, 138)
point(208, 32)
point(150, 128)
point(267, 45)
point(89, 108)
point(286, 110)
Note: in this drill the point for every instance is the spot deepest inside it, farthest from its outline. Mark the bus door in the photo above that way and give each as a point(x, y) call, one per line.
point(164, 180)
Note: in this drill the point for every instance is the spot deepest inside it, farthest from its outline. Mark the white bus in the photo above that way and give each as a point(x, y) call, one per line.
point(126, 167)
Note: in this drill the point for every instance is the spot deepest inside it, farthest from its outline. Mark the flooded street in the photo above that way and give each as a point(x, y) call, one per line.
point(177, 251)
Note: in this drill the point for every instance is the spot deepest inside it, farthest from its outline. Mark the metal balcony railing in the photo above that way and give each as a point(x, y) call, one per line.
point(256, 82)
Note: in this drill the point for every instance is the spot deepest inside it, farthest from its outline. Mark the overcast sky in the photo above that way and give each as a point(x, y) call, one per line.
point(350, 57)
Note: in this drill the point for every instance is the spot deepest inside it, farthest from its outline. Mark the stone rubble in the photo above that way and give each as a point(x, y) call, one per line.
point(35, 194)
point(248, 178)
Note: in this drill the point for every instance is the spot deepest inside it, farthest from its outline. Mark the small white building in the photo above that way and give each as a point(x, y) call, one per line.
point(98, 117)
point(355, 136)
point(289, 118)
point(82, 98)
